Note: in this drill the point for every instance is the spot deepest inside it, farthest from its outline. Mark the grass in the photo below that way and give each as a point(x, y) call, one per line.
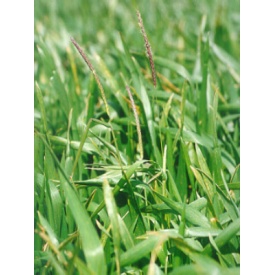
point(137, 160)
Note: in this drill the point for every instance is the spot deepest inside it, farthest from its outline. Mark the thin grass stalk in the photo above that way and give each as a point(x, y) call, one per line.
point(74, 71)
point(134, 108)
point(148, 48)
point(94, 73)
point(82, 141)
point(43, 235)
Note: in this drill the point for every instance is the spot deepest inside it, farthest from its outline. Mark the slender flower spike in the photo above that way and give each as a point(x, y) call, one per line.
point(137, 122)
point(148, 48)
point(94, 73)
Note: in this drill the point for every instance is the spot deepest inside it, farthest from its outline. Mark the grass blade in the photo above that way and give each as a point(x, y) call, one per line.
point(225, 236)
point(140, 250)
point(113, 215)
point(92, 247)
point(192, 215)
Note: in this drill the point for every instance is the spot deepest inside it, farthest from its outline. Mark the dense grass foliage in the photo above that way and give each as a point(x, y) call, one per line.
point(132, 177)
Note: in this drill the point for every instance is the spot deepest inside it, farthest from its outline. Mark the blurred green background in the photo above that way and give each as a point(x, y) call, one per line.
point(172, 27)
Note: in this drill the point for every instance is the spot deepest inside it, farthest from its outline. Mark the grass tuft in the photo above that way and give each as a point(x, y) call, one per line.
point(157, 194)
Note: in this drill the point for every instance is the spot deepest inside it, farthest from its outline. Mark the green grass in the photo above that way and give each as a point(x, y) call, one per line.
point(148, 180)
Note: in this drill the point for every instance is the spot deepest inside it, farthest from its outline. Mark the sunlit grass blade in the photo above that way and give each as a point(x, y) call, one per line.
point(127, 238)
point(55, 205)
point(192, 215)
point(42, 108)
point(150, 123)
point(48, 229)
point(225, 236)
point(205, 184)
point(206, 267)
point(178, 68)
point(137, 122)
point(226, 59)
point(203, 110)
point(113, 215)
point(140, 250)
